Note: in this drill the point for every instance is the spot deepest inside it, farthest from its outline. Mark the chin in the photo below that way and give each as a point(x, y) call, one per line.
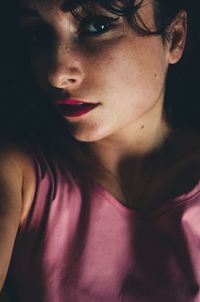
point(87, 136)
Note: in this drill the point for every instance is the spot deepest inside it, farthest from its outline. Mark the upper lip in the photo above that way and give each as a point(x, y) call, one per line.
point(72, 101)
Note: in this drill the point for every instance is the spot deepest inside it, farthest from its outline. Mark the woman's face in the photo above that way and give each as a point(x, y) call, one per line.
point(100, 61)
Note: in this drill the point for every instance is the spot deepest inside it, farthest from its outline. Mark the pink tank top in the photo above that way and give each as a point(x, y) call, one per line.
point(79, 244)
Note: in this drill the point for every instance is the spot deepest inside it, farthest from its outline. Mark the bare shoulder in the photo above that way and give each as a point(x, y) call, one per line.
point(17, 174)
point(16, 187)
point(14, 153)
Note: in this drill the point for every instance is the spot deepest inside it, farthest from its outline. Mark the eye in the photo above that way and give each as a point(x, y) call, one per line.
point(96, 25)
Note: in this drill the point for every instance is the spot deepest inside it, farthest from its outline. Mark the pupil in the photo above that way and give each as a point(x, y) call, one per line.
point(100, 26)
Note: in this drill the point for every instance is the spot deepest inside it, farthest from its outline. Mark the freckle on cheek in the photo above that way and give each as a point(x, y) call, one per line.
point(155, 75)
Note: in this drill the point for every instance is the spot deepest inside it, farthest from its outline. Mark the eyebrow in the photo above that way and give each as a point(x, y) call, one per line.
point(68, 5)
point(28, 12)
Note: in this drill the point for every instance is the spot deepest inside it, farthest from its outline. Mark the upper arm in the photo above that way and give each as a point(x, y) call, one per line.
point(11, 182)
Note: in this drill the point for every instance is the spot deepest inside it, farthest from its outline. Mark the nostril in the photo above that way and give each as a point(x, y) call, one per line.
point(68, 81)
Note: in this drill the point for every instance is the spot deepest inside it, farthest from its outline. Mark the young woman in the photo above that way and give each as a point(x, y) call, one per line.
point(114, 217)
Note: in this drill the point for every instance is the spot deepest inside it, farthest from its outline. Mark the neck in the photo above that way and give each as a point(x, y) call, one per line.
point(126, 158)
point(110, 152)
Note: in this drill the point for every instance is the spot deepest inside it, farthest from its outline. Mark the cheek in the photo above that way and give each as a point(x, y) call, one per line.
point(39, 63)
point(133, 83)
point(135, 74)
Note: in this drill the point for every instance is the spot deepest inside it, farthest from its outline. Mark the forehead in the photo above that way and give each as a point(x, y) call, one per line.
point(57, 7)
point(39, 3)
point(31, 8)
point(71, 4)
point(65, 4)
point(51, 7)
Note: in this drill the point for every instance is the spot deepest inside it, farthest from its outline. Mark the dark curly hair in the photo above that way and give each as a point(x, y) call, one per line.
point(164, 12)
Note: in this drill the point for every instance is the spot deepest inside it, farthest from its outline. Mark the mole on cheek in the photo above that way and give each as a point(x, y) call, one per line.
point(142, 127)
point(155, 75)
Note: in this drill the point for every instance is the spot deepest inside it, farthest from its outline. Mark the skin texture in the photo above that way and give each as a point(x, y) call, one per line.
point(122, 71)
point(127, 81)
point(118, 54)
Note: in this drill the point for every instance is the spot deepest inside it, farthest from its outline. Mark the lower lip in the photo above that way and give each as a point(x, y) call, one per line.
point(76, 110)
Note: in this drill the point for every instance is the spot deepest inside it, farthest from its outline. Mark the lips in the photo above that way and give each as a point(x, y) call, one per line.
point(69, 102)
point(73, 107)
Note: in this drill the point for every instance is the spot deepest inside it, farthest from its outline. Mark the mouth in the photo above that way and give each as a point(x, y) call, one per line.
point(73, 107)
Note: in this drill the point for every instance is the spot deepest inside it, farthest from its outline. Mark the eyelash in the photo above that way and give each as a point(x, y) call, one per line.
point(99, 20)
point(41, 34)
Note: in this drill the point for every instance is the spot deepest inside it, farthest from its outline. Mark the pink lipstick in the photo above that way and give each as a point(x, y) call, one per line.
point(73, 107)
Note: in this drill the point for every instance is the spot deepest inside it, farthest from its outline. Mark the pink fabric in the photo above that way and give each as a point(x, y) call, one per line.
point(79, 244)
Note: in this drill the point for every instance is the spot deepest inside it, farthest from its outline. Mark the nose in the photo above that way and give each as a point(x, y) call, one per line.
point(65, 69)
